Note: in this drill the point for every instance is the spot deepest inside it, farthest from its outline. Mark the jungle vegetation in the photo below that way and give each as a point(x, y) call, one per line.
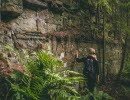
point(43, 77)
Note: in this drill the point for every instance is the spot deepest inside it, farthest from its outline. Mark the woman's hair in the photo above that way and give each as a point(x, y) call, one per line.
point(91, 51)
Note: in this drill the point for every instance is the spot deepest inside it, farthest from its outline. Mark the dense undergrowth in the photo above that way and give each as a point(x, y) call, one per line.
point(44, 78)
point(41, 80)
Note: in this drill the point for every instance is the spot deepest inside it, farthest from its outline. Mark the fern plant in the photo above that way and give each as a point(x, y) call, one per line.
point(97, 95)
point(43, 80)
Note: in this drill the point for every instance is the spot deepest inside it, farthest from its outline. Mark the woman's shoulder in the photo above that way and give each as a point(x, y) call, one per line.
point(92, 57)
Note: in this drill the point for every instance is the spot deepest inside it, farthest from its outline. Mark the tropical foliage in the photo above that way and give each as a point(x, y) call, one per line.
point(43, 79)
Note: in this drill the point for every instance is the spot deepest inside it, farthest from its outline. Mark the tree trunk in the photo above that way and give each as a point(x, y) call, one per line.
point(103, 79)
point(124, 50)
point(123, 59)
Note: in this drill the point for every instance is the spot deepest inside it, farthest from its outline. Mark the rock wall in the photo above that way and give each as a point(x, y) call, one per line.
point(44, 28)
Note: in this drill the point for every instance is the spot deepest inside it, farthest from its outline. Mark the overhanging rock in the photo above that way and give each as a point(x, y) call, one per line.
point(11, 9)
point(35, 4)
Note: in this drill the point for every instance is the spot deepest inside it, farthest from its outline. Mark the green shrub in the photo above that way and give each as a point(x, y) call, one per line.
point(43, 80)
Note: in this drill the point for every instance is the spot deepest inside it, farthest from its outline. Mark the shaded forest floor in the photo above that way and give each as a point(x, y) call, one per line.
point(119, 90)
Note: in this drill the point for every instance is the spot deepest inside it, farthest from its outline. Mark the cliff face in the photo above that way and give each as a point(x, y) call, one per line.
point(37, 24)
